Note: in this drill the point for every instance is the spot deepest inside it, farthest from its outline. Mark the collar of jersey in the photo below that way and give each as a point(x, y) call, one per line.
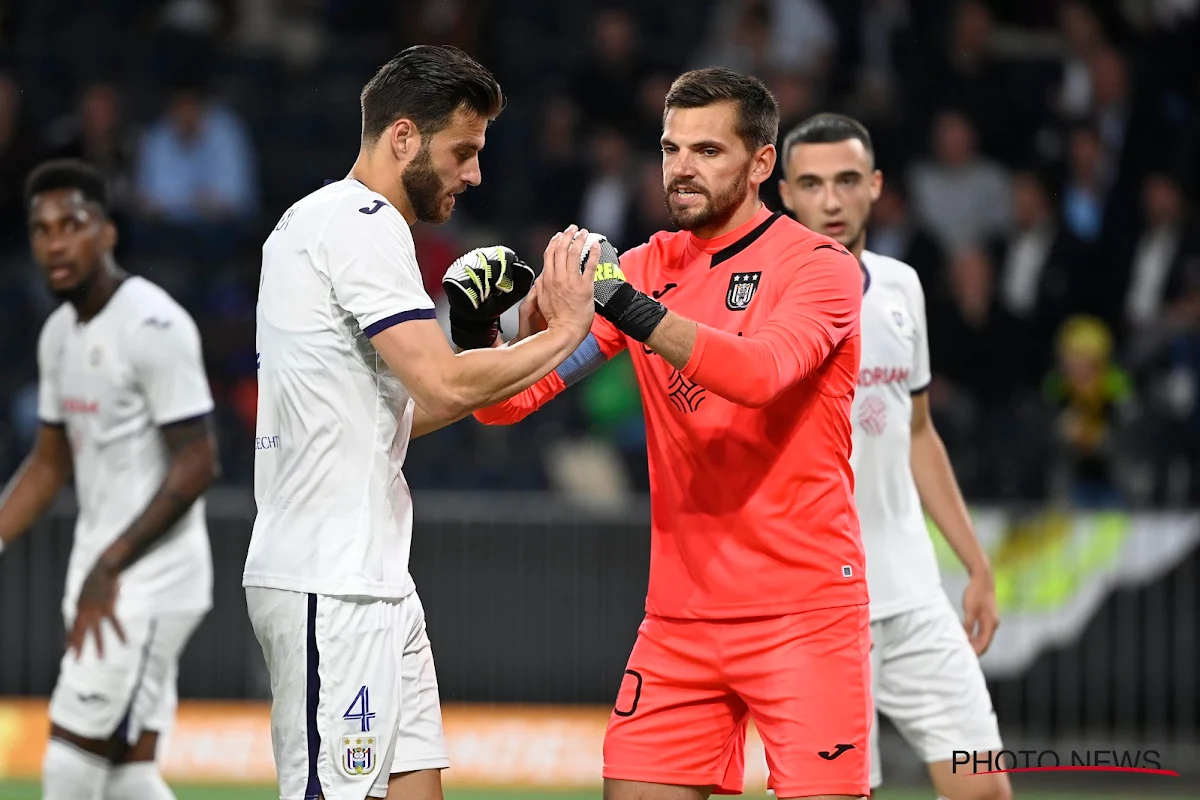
point(711, 246)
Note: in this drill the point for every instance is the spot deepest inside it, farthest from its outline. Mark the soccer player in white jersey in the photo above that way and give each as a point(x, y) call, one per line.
point(352, 364)
point(124, 406)
point(926, 673)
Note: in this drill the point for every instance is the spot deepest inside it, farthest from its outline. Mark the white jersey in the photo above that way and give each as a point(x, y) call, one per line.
point(334, 510)
point(112, 382)
point(902, 572)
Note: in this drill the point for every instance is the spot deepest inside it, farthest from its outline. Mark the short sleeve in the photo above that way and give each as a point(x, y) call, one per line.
point(49, 397)
point(372, 264)
point(921, 375)
point(168, 361)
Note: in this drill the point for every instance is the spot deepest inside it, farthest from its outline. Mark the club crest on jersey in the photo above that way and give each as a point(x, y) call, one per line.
point(742, 286)
point(358, 754)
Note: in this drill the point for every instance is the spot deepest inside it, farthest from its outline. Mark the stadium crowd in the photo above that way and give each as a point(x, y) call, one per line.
point(1040, 162)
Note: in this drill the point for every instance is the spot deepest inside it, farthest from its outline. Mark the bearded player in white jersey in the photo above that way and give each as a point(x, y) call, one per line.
point(926, 673)
point(124, 406)
point(352, 364)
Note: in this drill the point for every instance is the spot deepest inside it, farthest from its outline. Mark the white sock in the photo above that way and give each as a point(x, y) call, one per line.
point(137, 781)
point(69, 773)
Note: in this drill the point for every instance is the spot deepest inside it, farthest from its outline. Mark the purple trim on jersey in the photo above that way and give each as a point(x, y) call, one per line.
point(919, 390)
point(49, 424)
point(866, 276)
point(313, 790)
point(376, 328)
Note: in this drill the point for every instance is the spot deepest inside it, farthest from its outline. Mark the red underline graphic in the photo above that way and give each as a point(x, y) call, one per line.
point(1142, 770)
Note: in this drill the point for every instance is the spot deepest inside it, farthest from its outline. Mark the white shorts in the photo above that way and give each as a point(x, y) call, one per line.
point(354, 692)
point(927, 680)
point(133, 688)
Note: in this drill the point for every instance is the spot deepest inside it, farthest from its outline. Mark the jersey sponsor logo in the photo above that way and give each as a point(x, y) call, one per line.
point(76, 405)
point(872, 416)
point(685, 395)
point(881, 376)
point(371, 209)
point(358, 754)
point(742, 286)
point(266, 443)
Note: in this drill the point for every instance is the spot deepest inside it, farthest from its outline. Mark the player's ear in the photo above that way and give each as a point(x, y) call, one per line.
point(785, 193)
point(109, 235)
point(876, 185)
point(764, 163)
point(405, 139)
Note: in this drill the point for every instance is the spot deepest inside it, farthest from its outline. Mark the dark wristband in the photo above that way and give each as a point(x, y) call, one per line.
point(633, 313)
point(471, 335)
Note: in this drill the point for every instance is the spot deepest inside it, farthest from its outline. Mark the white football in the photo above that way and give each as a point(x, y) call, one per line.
point(608, 253)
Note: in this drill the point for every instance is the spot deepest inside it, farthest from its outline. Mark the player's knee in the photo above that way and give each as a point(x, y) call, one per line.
point(70, 773)
point(980, 787)
point(137, 781)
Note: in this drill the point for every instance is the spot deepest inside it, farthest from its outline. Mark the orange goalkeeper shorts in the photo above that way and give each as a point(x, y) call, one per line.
point(691, 686)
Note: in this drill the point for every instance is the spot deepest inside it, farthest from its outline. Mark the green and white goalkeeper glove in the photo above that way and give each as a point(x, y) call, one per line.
point(480, 286)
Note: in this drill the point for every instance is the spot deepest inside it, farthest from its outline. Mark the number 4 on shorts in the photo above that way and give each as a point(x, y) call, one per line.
point(364, 714)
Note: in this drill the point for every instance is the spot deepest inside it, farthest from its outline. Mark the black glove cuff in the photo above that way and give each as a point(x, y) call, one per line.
point(633, 313)
point(470, 335)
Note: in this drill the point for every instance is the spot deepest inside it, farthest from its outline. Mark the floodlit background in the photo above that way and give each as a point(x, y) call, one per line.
point(1041, 163)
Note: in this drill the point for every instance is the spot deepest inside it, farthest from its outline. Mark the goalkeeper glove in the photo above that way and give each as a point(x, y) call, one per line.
point(631, 311)
point(480, 286)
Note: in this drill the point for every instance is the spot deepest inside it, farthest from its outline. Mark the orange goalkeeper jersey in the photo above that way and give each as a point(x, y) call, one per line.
point(752, 496)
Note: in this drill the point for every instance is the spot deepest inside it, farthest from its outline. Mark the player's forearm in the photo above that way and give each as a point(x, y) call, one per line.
point(193, 468)
point(943, 500)
point(27, 497)
point(485, 377)
point(747, 370)
point(425, 422)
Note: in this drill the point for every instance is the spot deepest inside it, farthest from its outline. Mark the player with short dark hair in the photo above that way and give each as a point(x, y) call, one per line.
point(352, 365)
point(743, 330)
point(125, 409)
point(926, 675)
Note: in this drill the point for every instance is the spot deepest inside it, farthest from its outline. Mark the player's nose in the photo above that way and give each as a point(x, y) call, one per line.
point(473, 174)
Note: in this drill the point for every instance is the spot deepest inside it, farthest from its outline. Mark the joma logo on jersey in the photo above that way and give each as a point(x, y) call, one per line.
point(742, 286)
point(876, 376)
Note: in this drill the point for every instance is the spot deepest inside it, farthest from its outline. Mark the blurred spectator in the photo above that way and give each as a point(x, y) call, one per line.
point(98, 133)
point(894, 232)
point(607, 85)
point(610, 185)
point(959, 195)
point(978, 350)
point(1045, 272)
point(764, 36)
point(560, 173)
point(651, 94)
point(1088, 181)
point(18, 155)
point(1083, 37)
point(1088, 395)
point(197, 171)
point(964, 75)
point(1155, 284)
